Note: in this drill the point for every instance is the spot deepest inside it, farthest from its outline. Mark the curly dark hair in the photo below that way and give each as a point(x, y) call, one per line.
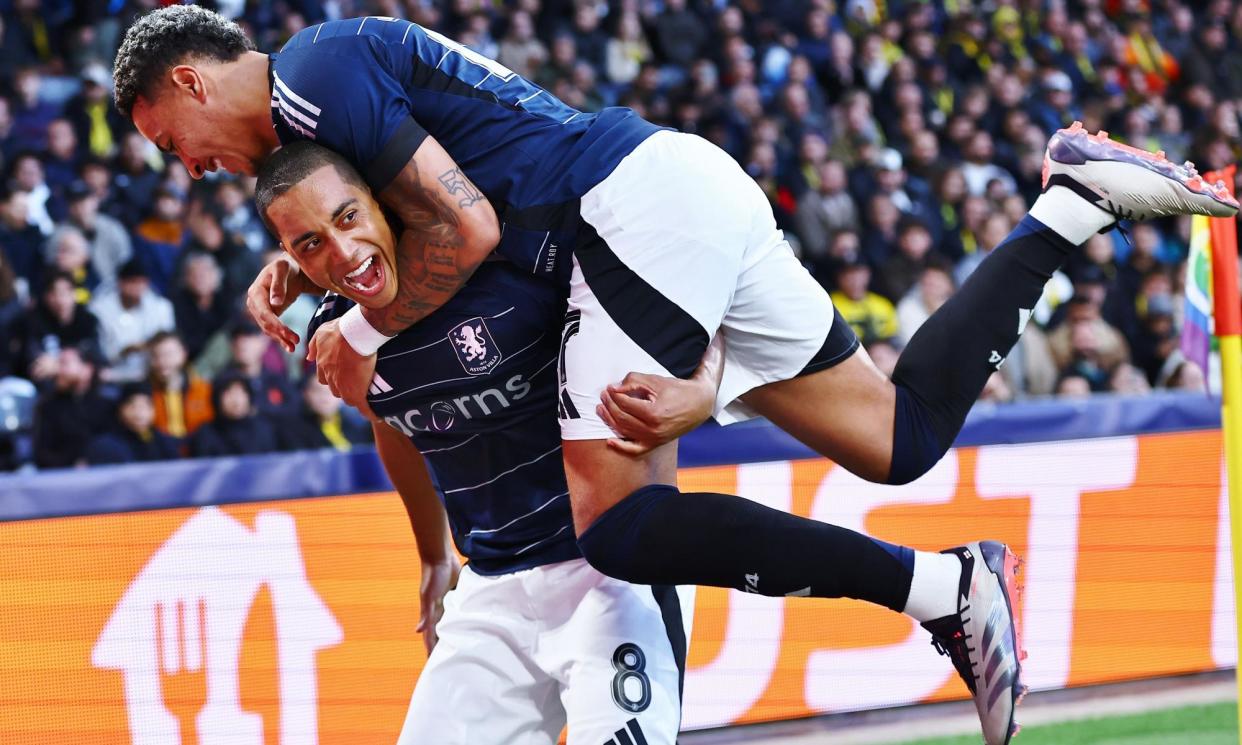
point(167, 37)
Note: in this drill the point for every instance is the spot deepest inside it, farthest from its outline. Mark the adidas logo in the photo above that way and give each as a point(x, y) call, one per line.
point(631, 734)
point(379, 385)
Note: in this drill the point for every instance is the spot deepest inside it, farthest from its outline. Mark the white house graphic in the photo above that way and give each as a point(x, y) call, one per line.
point(210, 572)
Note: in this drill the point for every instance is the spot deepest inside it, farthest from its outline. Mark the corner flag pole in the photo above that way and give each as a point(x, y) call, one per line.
point(1228, 313)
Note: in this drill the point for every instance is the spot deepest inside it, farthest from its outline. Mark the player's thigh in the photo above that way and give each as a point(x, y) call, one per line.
point(479, 684)
point(623, 654)
point(654, 270)
point(789, 356)
point(844, 412)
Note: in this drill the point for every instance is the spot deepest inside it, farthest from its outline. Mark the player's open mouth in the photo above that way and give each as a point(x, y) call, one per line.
point(367, 278)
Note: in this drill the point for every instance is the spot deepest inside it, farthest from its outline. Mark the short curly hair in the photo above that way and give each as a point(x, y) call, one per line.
point(164, 38)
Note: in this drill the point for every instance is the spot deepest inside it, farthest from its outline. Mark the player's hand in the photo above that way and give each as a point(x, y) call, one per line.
point(436, 582)
point(347, 373)
point(647, 411)
point(276, 288)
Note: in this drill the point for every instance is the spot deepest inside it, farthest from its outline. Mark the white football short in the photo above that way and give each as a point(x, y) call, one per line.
point(522, 655)
point(677, 243)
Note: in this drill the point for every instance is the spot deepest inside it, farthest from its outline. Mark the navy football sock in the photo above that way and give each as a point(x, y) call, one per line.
point(660, 536)
point(944, 367)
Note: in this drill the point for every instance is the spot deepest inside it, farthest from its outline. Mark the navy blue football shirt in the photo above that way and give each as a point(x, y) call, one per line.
point(373, 88)
point(474, 386)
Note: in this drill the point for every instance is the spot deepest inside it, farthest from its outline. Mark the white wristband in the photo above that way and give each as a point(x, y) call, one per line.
point(359, 332)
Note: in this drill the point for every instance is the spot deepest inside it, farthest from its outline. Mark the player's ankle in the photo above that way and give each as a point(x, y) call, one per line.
point(1069, 215)
point(934, 587)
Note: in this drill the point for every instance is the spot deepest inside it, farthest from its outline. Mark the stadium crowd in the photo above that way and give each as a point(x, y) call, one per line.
point(898, 141)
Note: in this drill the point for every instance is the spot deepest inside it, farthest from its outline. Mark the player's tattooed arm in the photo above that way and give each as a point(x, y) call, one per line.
point(458, 185)
point(449, 228)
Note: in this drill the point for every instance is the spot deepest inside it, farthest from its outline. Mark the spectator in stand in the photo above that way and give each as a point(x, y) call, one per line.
point(269, 390)
point(860, 114)
point(476, 34)
point(26, 174)
point(55, 323)
point(1143, 260)
point(914, 254)
point(60, 163)
point(1213, 63)
point(135, 181)
point(1073, 385)
point(238, 428)
point(319, 424)
point(239, 263)
point(95, 120)
point(979, 168)
point(891, 181)
point(1087, 344)
point(199, 304)
point(109, 243)
point(993, 230)
point(590, 41)
point(880, 242)
point(71, 256)
point(1186, 376)
point(872, 316)
point(20, 240)
point(12, 305)
point(31, 114)
point(181, 399)
point(1128, 380)
point(160, 238)
point(825, 211)
point(238, 218)
point(679, 34)
point(1157, 351)
point(934, 287)
point(6, 124)
point(520, 50)
point(70, 412)
point(130, 313)
point(628, 50)
point(559, 64)
point(1055, 107)
point(97, 175)
point(133, 437)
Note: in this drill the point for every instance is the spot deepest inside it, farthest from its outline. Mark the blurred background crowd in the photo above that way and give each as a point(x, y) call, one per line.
point(898, 141)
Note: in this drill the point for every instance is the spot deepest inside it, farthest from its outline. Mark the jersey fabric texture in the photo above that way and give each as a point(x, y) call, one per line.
point(474, 387)
point(373, 88)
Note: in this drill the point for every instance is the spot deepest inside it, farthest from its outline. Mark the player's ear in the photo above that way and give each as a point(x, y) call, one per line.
point(187, 79)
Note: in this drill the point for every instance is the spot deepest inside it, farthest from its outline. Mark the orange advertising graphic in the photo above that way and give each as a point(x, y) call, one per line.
point(293, 622)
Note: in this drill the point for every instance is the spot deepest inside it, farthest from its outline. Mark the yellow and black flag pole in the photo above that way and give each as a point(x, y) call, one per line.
point(1228, 314)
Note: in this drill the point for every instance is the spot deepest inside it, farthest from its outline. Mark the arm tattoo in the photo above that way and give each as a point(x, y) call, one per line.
point(457, 183)
point(427, 270)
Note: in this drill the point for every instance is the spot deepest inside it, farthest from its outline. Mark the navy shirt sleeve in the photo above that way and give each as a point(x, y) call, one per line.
point(344, 93)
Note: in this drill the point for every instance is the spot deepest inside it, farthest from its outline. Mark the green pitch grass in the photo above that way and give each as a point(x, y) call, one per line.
point(1195, 725)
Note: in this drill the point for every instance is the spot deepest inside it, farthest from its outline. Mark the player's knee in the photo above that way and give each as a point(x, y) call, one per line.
point(614, 542)
point(917, 444)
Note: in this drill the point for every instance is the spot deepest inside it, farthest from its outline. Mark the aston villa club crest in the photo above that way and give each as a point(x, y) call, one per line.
point(475, 347)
